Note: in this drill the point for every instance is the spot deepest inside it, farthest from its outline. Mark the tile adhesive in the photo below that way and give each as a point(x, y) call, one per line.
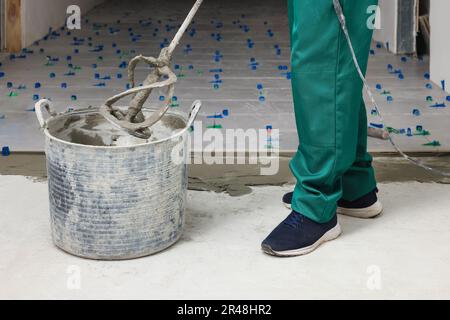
point(117, 176)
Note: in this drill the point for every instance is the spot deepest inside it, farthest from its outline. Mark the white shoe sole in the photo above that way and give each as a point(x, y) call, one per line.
point(364, 213)
point(287, 205)
point(328, 236)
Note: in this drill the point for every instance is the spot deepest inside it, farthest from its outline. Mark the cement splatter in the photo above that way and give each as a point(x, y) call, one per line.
point(230, 178)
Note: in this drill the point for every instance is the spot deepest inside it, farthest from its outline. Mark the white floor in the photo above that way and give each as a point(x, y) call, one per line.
point(403, 254)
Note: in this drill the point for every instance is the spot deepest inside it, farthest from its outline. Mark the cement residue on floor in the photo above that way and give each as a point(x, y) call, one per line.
point(236, 180)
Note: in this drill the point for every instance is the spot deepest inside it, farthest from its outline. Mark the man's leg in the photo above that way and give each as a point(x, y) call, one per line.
point(359, 180)
point(327, 99)
point(359, 198)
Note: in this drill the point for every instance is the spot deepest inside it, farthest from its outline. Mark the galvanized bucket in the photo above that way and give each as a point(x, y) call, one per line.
point(115, 202)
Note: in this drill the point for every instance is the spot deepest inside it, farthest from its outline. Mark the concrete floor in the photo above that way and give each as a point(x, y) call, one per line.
point(402, 254)
point(238, 93)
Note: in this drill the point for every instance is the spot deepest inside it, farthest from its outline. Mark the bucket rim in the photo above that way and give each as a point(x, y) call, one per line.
point(182, 115)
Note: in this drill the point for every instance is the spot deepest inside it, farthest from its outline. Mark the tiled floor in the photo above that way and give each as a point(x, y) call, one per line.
point(237, 32)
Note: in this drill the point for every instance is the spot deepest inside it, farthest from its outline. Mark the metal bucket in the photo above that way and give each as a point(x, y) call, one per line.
point(115, 202)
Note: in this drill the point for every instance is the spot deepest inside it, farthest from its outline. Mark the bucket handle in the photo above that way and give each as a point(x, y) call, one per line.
point(195, 108)
point(46, 104)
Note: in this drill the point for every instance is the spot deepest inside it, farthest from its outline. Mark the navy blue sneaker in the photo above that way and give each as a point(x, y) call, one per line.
point(298, 235)
point(366, 207)
point(287, 199)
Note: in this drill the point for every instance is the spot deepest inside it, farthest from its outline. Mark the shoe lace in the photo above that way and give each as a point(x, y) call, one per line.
point(293, 220)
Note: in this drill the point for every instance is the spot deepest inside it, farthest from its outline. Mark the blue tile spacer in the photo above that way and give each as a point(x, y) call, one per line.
point(377, 125)
point(409, 132)
point(6, 151)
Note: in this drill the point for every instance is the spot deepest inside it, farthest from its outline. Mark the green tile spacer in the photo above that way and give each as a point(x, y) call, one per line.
point(434, 143)
point(392, 130)
point(216, 126)
point(422, 133)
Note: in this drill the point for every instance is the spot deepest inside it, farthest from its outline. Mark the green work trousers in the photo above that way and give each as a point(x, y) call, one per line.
point(331, 162)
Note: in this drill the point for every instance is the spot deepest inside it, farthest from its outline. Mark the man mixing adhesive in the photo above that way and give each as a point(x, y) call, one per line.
point(333, 169)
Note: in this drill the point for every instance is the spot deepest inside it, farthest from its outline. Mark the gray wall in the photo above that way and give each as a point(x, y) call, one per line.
point(406, 30)
point(398, 25)
point(39, 15)
point(389, 19)
point(440, 41)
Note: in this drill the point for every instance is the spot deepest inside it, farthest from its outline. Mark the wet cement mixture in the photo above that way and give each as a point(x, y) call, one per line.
point(90, 128)
point(236, 180)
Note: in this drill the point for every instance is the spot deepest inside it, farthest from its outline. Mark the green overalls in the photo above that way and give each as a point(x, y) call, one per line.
point(332, 160)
